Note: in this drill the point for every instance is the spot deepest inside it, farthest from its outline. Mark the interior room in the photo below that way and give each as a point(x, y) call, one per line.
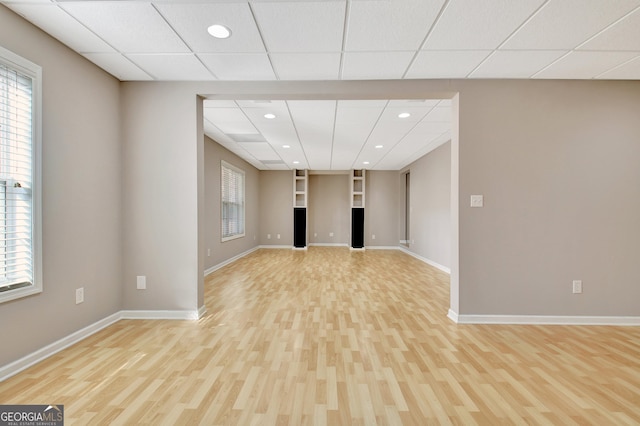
point(439, 217)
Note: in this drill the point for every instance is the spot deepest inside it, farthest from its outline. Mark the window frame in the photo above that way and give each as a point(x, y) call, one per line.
point(33, 71)
point(225, 165)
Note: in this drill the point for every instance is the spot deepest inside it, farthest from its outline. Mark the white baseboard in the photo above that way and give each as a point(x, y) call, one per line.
point(382, 248)
point(160, 314)
point(543, 320)
point(425, 260)
point(228, 261)
point(328, 245)
point(453, 316)
point(201, 311)
point(27, 361)
point(276, 247)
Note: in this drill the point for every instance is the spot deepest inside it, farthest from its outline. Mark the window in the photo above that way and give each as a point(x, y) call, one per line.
point(20, 272)
point(232, 200)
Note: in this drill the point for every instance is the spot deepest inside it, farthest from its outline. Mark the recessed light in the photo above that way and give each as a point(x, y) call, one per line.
point(219, 31)
point(296, 162)
point(404, 115)
point(270, 116)
point(365, 162)
point(379, 146)
point(286, 146)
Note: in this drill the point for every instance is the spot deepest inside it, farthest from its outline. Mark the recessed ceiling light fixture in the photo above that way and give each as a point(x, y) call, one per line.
point(219, 31)
point(269, 116)
point(365, 162)
point(404, 115)
point(286, 146)
point(296, 162)
point(379, 146)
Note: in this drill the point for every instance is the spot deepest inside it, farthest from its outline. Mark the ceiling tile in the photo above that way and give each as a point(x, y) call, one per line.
point(118, 66)
point(417, 112)
point(314, 123)
point(438, 114)
point(311, 66)
point(472, 24)
point(446, 64)
point(239, 66)
point(62, 26)
point(260, 150)
point(230, 120)
point(624, 35)
point(385, 25)
point(627, 71)
point(585, 65)
point(515, 63)
point(301, 26)
point(172, 67)
point(564, 24)
point(191, 20)
point(130, 27)
point(375, 65)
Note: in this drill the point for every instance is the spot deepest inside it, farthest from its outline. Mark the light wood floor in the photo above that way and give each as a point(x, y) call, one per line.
point(330, 336)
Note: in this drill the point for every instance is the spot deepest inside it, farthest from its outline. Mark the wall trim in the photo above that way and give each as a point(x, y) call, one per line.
point(41, 354)
point(230, 260)
point(328, 245)
point(425, 260)
point(382, 247)
point(276, 247)
point(159, 314)
point(543, 320)
point(201, 311)
point(453, 316)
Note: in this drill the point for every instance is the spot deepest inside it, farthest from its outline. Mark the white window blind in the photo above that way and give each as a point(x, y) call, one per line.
point(18, 273)
point(232, 200)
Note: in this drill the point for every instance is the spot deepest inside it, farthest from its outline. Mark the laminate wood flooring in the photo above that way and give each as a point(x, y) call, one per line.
point(330, 336)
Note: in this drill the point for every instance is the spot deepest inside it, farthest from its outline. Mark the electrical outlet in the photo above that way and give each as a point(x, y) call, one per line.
point(315, 234)
point(373, 236)
point(268, 236)
point(331, 234)
point(79, 295)
point(141, 282)
point(278, 236)
point(477, 201)
point(577, 286)
point(208, 252)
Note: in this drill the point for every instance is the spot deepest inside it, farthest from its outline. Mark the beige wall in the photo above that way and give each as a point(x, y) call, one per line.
point(329, 209)
point(81, 204)
point(123, 191)
point(381, 208)
point(558, 165)
point(430, 206)
point(276, 207)
point(221, 251)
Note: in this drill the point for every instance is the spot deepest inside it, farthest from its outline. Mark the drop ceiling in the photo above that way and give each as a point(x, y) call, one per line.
point(343, 40)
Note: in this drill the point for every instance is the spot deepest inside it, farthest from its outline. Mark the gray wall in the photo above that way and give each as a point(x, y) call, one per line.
point(123, 185)
point(558, 165)
point(381, 209)
point(214, 153)
point(276, 207)
point(81, 204)
point(430, 205)
point(329, 209)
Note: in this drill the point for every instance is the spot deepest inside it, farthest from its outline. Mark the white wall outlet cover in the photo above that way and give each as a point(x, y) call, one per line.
point(79, 295)
point(141, 282)
point(477, 200)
